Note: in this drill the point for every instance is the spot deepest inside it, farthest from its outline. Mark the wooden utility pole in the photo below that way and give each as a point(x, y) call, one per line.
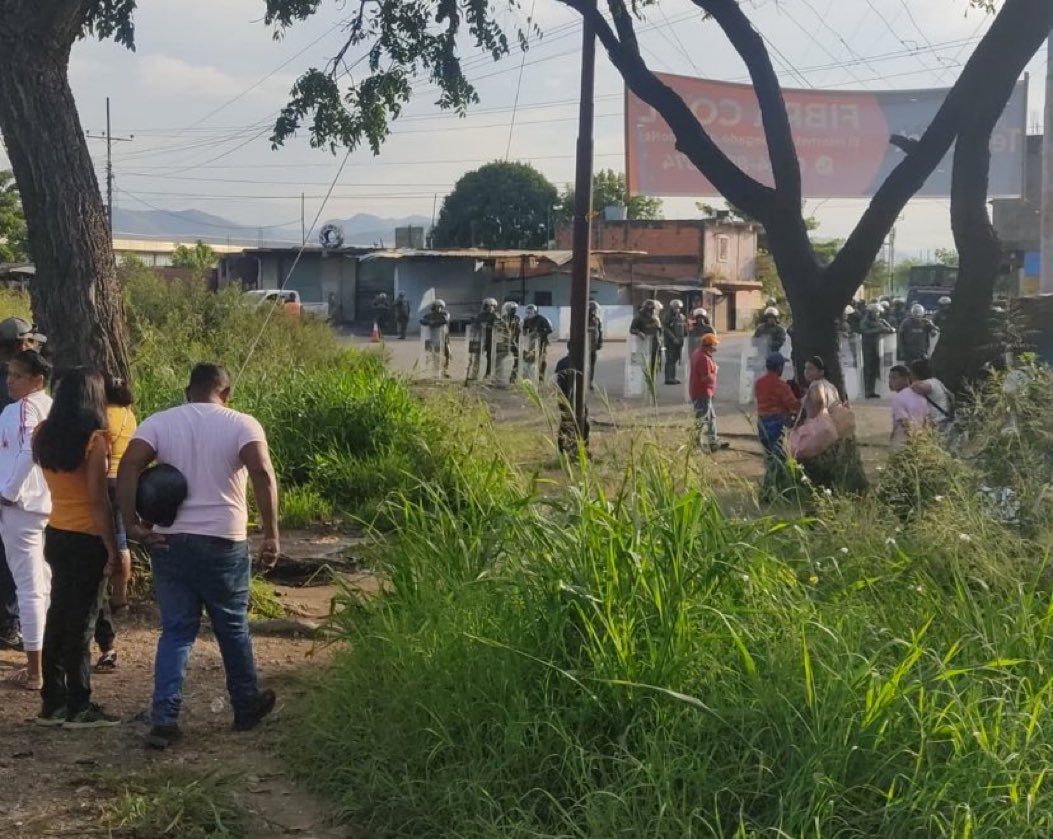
point(110, 140)
point(1046, 280)
point(579, 286)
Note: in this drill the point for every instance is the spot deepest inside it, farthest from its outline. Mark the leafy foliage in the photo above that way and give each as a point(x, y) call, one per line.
point(105, 19)
point(199, 258)
point(499, 205)
point(14, 246)
point(609, 190)
point(405, 40)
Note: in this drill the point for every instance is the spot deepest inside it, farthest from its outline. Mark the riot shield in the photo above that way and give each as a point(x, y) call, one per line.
point(637, 359)
point(504, 355)
point(433, 359)
point(851, 354)
point(751, 366)
point(889, 345)
point(475, 337)
point(529, 356)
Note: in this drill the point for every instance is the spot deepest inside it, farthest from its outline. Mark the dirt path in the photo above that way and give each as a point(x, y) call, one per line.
point(57, 783)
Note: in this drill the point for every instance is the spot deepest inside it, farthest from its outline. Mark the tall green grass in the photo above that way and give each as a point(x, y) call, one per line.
point(637, 663)
point(344, 433)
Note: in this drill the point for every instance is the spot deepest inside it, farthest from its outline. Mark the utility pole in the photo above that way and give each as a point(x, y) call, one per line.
point(303, 223)
point(579, 284)
point(110, 140)
point(1046, 279)
point(892, 261)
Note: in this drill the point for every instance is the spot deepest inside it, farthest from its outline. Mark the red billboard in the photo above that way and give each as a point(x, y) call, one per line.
point(842, 139)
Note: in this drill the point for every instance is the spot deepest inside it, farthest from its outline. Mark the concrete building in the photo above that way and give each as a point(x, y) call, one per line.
point(1018, 221)
point(156, 253)
point(351, 277)
point(701, 261)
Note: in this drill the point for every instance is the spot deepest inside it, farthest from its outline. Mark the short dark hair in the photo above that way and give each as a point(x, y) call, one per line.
point(35, 363)
point(921, 368)
point(817, 362)
point(207, 379)
point(899, 369)
point(118, 391)
point(78, 411)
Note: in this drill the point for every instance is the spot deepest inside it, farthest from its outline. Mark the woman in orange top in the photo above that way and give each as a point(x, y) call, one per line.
point(121, 425)
point(71, 449)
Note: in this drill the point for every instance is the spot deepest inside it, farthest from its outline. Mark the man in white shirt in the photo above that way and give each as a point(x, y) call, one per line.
point(202, 559)
point(909, 409)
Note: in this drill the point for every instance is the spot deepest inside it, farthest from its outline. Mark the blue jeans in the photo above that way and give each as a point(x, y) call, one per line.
point(706, 420)
point(191, 572)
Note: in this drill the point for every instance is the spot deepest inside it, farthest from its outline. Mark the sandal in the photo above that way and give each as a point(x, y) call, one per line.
point(107, 662)
point(23, 681)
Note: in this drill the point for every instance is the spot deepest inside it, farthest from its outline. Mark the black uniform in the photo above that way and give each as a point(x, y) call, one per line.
point(773, 331)
point(381, 311)
point(595, 345)
point(699, 326)
point(872, 327)
point(915, 337)
point(569, 432)
point(674, 331)
point(402, 313)
point(485, 321)
point(542, 327)
point(649, 327)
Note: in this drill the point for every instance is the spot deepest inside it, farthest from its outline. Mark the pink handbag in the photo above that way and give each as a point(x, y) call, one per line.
point(813, 437)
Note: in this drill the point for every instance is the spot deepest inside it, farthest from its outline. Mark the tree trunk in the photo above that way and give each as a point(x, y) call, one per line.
point(964, 345)
point(76, 298)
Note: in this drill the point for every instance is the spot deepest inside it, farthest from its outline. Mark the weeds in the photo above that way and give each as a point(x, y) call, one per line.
point(175, 802)
point(636, 662)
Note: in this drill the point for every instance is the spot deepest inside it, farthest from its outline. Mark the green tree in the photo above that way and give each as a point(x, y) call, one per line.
point(499, 205)
point(13, 246)
point(199, 258)
point(405, 41)
point(609, 190)
point(947, 256)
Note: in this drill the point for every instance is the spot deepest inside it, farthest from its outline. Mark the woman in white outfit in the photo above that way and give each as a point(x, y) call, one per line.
point(25, 504)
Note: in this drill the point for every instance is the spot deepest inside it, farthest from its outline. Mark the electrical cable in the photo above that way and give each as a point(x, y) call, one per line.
point(519, 86)
point(288, 276)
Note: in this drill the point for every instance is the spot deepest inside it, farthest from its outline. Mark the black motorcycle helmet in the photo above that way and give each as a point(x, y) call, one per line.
point(162, 490)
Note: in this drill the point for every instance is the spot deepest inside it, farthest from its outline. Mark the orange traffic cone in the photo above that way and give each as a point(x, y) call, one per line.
point(375, 337)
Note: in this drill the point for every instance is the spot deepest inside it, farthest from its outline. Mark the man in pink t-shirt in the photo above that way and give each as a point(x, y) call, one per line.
point(910, 410)
point(202, 559)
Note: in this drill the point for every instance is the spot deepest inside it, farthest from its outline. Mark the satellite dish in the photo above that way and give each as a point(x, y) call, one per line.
point(331, 236)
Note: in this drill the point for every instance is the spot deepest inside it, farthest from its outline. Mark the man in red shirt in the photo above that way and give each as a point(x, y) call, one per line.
point(703, 387)
point(776, 408)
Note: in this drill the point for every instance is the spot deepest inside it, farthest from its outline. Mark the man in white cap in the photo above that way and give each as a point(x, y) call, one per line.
point(916, 335)
point(16, 335)
point(772, 330)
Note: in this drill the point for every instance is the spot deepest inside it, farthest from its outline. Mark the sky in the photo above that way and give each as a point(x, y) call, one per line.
point(201, 91)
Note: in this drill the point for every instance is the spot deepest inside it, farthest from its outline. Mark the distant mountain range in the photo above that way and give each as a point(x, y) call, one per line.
point(360, 229)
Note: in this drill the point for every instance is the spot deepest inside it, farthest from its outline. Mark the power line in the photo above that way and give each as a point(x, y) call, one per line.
point(519, 87)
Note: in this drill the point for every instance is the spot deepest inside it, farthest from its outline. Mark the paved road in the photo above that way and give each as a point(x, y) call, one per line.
point(610, 368)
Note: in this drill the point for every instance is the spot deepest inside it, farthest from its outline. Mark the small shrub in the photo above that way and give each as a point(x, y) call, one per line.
point(175, 802)
point(303, 507)
point(263, 600)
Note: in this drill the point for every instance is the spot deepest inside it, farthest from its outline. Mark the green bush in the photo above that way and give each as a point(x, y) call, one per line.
point(637, 663)
point(343, 432)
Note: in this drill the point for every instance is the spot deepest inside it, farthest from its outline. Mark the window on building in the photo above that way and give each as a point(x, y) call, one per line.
point(542, 298)
point(723, 248)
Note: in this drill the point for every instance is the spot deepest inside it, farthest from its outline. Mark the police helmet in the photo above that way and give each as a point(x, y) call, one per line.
point(917, 310)
point(700, 313)
point(944, 301)
point(771, 312)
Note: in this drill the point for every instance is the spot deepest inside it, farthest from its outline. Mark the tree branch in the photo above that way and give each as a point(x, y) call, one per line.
point(988, 77)
point(692, 139)
point(748, 43)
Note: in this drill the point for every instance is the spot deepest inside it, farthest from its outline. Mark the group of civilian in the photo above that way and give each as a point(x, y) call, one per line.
point(75, 469)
